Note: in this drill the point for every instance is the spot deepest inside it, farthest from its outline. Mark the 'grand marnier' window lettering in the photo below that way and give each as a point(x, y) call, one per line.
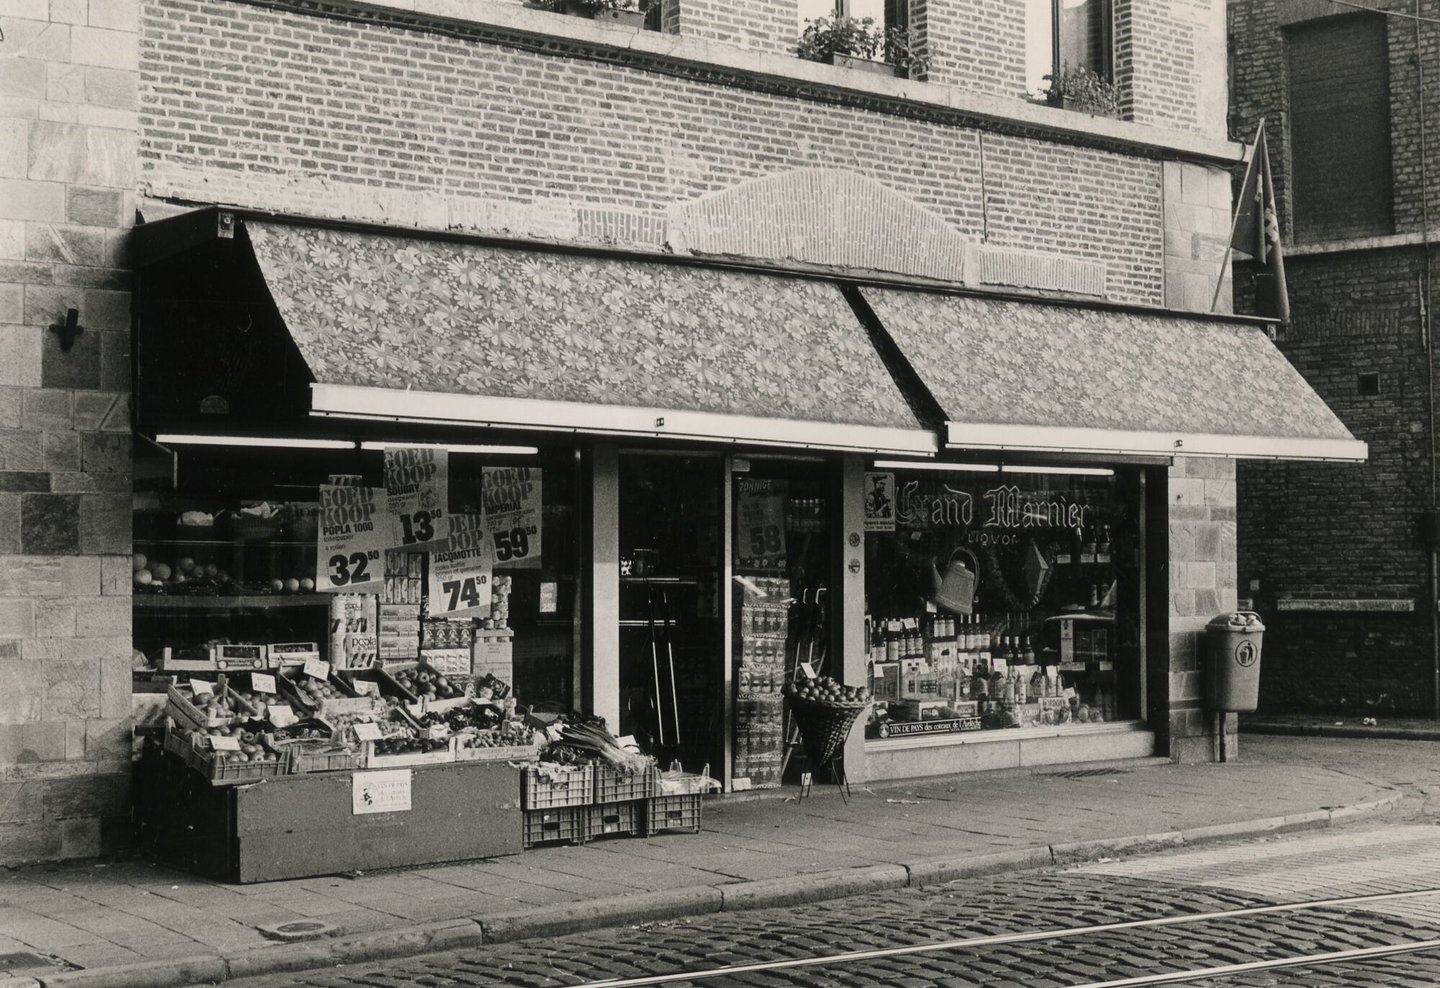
point(1001, 598)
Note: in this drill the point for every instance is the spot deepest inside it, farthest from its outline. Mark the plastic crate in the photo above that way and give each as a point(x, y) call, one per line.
point(614, 820)
point(559, 824)
point(612, 786)
point(569, 785)
point(319, 756)
point(673, 813)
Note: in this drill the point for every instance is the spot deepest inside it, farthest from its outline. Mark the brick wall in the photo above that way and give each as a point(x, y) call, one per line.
point(67, 177)
point(990, 61)
point(1202, 585)
point(763, 25)
point(1342, 531)
point(256, 107)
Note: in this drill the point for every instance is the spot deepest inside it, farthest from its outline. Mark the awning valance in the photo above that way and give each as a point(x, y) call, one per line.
point(1012, 375)
point(402, 328)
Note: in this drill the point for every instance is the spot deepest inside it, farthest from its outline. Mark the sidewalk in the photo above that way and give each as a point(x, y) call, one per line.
point(134, 924)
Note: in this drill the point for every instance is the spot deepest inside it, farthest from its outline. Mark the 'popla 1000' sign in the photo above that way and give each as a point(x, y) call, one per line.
point(355, 530)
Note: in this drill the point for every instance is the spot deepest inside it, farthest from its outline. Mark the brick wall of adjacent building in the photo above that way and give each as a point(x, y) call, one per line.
point(1342, 535)
point(990, 61)
point(763, 25)
point(68, 75)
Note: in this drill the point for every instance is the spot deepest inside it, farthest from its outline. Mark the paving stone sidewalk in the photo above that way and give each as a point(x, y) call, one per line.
point(134, 923)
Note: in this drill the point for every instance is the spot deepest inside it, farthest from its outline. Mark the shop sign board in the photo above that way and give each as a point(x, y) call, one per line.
point(383, 791)
point(879, 502)
point(512, 498)
point(760, 524)
point(355, 530)
point(460, 574)
point(417, 487)
point(949, 726)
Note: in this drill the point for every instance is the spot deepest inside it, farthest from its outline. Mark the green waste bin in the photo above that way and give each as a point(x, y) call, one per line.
point(1234, 653)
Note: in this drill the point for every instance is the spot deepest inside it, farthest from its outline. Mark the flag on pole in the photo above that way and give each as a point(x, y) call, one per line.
point(1257, 233)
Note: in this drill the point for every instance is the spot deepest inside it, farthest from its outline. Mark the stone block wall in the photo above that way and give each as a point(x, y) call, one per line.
point(1202, 585)
point(1197, 228)
point(68, 83)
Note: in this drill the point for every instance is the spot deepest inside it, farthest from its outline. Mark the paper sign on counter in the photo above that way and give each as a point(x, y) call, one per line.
point(279, 714)
point(262, 682)
point(385, 791)
point(222, 742)
point(318, 668)
point(367, 731)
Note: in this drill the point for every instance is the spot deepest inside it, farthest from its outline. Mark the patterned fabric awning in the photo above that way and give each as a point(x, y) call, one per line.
point(1032, 376)
point(439, 330)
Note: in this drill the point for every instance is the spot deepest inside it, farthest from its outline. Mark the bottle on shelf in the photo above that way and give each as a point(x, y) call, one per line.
point(1027, 651)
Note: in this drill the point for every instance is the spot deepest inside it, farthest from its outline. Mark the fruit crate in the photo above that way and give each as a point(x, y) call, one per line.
point(612, 786)
point(556, 824)
point(319, 756)
point(495, 753)
point(614, 820)
point(557, 785)
point(440, 756)
point(673, 813)
point(183, 711)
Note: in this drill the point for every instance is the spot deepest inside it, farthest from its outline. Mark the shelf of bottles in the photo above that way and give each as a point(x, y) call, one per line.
point(764, 649)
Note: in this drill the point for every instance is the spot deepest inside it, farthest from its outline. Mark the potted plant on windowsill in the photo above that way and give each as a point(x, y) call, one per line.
point(853, 42)
point(1078, 88)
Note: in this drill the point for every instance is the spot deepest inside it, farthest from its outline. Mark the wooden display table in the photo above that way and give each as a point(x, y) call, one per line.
point(295, 826)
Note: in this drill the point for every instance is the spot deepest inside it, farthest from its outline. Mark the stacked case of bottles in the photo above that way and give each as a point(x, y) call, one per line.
point(759, 720)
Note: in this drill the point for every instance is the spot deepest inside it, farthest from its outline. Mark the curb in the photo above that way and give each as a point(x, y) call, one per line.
point(620, 910)
point(1343, 731)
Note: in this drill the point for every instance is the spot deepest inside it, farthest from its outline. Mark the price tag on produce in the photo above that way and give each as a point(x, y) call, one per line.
point(279, 714)
point(808, 670)
point(355, 530)
point(439, 732)
point(417, 488)
point(262, 682)
point(366, 687)
point(318, 668)
point(202, 687)
point(367, 731)
point(222, 742)
point(460, 575)
point(628, 741)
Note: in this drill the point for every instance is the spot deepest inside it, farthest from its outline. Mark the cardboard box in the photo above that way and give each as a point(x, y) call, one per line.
point(198, 659)
point(494, 652)
point(239, 657)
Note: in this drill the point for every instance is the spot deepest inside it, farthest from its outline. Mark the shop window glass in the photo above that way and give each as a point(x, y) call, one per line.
point(1063, 34)
point(1001, 599)
point(783, 608)
point(234, 547)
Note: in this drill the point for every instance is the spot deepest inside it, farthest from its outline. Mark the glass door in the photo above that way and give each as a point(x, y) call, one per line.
point(784, 609)
point(671, 636)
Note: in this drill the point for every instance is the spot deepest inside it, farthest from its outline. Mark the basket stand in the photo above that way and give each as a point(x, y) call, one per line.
point(823, 730)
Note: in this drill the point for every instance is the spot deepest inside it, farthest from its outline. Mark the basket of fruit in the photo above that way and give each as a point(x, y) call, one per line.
point(825, 710)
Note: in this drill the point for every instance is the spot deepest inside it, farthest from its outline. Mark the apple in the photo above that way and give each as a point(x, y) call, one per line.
point(186, 564)
point(211, 570)
point(144, 577)
point(161, 571)
point(292, 584)
point(307, 584)
point(138, 561)
point(277, 585)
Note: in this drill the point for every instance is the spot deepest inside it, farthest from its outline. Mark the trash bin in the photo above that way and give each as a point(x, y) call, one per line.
point(1234, 653)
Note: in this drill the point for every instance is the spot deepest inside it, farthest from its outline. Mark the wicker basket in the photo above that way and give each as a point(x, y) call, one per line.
point(824, 726)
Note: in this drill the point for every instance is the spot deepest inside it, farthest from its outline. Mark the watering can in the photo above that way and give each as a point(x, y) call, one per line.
point(955, 588)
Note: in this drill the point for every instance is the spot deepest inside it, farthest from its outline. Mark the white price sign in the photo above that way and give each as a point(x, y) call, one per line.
point(513, 497)
point(262, 682)
point(386, 791)
point(279, 714)
point(460, 574)
point(317, 668)
point(417, 486)
point(202, 687)
point(221, 742)
point(355, 530)
point(367, 731)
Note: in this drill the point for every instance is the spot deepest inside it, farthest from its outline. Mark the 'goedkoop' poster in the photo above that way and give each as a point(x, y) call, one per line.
point(417, 480)
point(355, 530)
point(512, 498)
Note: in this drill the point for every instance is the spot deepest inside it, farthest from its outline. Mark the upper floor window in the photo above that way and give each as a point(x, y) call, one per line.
point(1339, 87)
point(1066, 34)
point(885, 13)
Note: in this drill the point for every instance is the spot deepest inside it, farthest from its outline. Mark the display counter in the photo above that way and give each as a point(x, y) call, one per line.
point(294, 826)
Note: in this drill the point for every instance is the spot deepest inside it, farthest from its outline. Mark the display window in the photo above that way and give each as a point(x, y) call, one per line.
point(1001, 597)
point(452, 571)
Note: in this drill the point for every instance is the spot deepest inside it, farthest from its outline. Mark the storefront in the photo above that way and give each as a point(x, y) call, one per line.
point(655, 491)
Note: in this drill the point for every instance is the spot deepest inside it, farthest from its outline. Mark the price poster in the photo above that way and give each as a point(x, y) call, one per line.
point(760, 524)
point(512, 498)
point(355, 530)
point(380, 792)
point(417, 485)
point(460, 573)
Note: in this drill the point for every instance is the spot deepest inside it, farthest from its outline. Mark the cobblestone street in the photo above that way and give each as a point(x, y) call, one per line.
point(1354, 861)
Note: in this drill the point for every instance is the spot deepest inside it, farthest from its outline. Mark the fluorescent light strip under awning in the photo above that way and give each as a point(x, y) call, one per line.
point(1056, 439)
point(266, 442)
point(370, 446)
point(347, 401)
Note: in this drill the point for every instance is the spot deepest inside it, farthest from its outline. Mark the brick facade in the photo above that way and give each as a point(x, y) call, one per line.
point(67, 182)
point(422, 113)
point(1330, 554)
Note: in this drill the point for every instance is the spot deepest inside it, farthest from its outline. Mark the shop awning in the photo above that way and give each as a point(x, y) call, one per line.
point(401, 328)
point(1011, 375)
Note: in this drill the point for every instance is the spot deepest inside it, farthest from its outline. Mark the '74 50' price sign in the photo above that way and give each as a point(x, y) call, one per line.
point(460, 574)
